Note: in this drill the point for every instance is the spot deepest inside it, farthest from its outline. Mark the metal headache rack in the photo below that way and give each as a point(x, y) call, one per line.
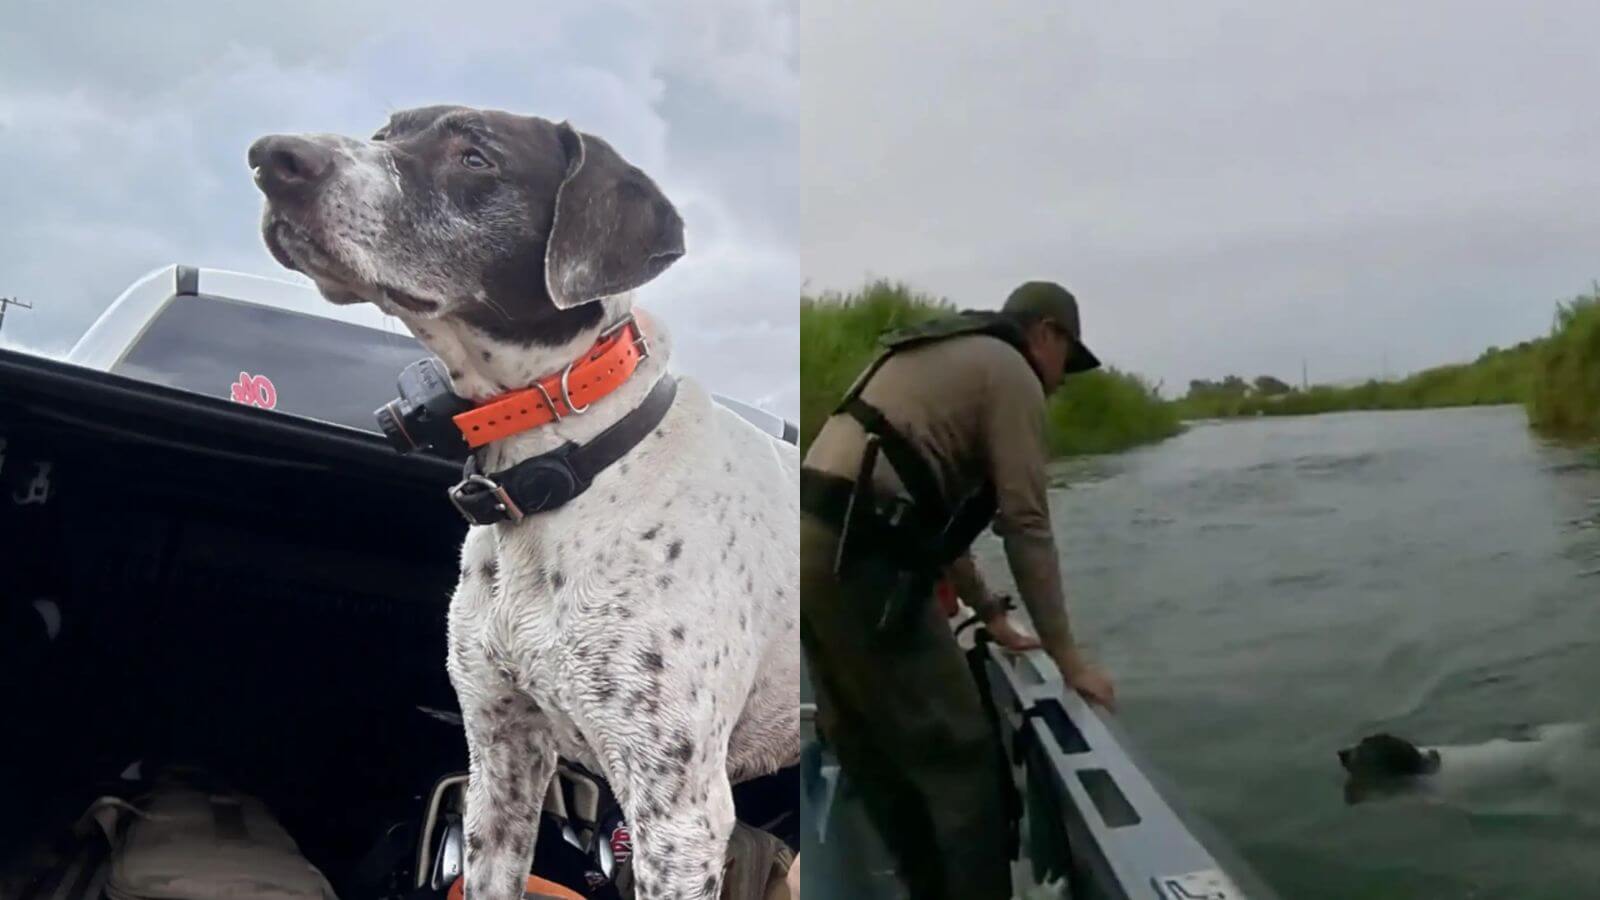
point(1093, 816)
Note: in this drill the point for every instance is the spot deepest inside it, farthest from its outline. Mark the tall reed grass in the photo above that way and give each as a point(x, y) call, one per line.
point(1564, 399)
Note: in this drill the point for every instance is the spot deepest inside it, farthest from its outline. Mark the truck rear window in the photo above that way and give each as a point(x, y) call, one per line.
point(319, 368)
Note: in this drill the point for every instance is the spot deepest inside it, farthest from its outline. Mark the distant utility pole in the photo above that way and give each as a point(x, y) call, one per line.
point(6, 302)
point(1304, 385)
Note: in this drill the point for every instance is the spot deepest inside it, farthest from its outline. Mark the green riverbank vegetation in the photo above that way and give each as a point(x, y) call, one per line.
point(1564, 399)
point(1496, 377)
point(1556, 378)
point(1096, 412)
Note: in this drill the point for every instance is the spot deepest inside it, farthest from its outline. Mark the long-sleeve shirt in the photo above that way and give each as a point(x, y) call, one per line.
point(974, 408)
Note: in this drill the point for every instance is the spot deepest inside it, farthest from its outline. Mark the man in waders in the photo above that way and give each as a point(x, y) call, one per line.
point(941, 435)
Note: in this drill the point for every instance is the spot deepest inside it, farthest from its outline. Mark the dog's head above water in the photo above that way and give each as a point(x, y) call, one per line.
point(510, 224)
point(1383, 765)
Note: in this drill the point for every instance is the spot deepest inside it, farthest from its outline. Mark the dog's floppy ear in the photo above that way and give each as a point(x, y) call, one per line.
point(613, 228)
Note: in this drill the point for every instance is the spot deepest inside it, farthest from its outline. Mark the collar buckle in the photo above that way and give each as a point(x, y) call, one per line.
point(640, 342)
point(482, 501)
point(549, 402)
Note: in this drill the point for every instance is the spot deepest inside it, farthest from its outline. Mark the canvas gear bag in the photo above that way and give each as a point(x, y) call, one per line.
point(191, 839)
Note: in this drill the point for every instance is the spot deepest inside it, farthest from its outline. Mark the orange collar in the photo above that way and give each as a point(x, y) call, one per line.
point(606, 367)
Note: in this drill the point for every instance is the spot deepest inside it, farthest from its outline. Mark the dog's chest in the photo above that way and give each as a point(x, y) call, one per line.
point(569, 740)
point(656, 595)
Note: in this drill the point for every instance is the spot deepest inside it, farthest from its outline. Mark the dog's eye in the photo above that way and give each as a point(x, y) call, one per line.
point(472, 159)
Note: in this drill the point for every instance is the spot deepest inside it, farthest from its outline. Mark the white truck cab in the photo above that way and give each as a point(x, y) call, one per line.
point(271, 343)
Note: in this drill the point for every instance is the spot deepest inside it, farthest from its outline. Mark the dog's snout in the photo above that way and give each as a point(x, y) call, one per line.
point(288, 167)
point(1344, 757)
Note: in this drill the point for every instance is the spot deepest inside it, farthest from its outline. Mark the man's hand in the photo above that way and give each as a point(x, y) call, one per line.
point(1087, 679)
point(999, 626)
point(1095, 686)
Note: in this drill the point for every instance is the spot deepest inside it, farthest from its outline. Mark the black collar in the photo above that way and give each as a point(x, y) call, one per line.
point(553, 479)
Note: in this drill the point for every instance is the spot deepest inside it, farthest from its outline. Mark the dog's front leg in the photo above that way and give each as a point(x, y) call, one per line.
point(512, 758)
point(681, 809)
point(511, 754)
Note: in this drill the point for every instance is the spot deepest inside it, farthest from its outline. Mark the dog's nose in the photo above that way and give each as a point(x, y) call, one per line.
point(1344, 757)
point(288, 167)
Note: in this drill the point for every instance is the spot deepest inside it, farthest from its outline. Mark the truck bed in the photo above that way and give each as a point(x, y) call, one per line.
point(244, 590)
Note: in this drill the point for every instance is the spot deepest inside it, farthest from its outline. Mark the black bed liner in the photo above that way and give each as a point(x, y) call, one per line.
point(255, 591)
point(259, 592)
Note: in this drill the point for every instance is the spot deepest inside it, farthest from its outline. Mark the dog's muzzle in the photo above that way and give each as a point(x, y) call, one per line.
point(290, 168)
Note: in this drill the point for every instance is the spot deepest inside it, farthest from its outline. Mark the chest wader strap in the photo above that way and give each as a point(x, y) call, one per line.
point(970, 519)
point(933, 535)
point(858, 508)
point(913, 470)
point(951, 532)
point(932, 539)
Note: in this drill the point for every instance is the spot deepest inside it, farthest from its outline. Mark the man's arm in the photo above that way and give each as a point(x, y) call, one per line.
point(987, 607)
point(1015, 442)
point(970, 587)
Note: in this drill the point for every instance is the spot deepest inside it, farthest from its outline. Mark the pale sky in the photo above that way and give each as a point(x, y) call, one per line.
point(123, 130)
point(1227, 187)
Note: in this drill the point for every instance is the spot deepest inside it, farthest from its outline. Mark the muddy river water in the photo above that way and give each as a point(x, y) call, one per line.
point(1267, 591)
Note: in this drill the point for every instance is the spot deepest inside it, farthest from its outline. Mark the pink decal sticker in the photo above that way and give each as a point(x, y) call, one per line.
point(621, 843)
point(255, 390)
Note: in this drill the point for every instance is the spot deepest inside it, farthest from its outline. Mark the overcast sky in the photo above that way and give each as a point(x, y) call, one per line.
point(1227, 187)
point(123, 130)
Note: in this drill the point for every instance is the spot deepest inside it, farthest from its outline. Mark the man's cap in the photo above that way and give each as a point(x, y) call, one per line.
point(1052, 301)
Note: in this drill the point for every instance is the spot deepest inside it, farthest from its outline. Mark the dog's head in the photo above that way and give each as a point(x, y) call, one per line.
point(1382, 764)
point(512, 224)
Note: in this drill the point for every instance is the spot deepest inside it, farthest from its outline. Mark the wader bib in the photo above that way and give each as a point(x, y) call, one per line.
point(897, 701)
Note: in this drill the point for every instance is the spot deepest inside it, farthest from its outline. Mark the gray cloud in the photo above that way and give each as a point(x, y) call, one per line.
point(123, 130)
point(1229, 187)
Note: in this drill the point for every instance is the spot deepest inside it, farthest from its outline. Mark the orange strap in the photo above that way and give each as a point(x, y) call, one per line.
point(606, 366)
point(538, 889)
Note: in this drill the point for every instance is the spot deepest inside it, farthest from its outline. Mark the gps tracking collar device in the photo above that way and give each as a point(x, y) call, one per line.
point(423, 417)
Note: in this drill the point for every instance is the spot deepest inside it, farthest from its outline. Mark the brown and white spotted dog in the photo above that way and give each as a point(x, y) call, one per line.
point(648, 628)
